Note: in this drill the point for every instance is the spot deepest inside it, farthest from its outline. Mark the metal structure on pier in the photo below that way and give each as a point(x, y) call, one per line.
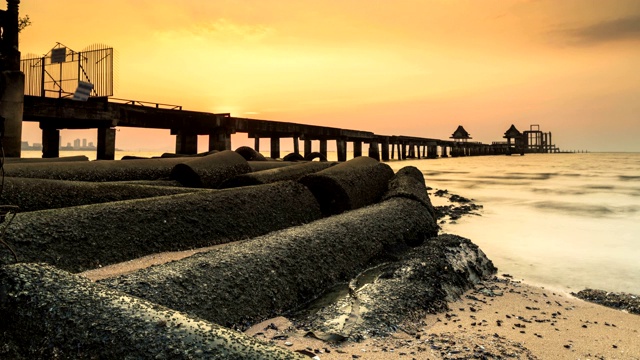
point(59, 72)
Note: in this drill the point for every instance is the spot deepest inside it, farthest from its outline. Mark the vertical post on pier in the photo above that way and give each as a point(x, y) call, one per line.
point(373, 150)
point(444, 151)
point(393, 150)
point(403, 153)
point(323, 147)
point(186, 143)
point(50, 143)
point(307, 147)
point(341, 147)
point(256, 144)
point(385, 149)
point(296, 144)
point(357, 148)
point(275, 147)
point(220, 140)
point(106, 143)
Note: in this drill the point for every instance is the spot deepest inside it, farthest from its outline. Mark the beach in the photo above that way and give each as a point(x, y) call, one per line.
point(518, 321)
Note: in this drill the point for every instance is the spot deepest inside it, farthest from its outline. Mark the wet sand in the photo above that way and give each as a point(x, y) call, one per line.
point(518, 321)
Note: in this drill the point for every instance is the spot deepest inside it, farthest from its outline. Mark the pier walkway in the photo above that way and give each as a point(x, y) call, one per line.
point(55, 114)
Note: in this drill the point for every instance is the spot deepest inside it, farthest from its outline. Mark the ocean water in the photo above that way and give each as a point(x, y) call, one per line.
point(564, 221)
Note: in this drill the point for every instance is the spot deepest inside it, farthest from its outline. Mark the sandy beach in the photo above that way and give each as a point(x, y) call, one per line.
point(500, 318)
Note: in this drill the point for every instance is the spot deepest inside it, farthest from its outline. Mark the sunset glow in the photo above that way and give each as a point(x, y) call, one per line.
point(406, 67)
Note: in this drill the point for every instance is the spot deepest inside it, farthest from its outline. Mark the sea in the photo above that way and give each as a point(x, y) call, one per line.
point(565, 221)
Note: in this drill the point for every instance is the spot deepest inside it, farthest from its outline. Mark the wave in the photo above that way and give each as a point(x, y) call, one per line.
point(586, 210)
point(628, 177)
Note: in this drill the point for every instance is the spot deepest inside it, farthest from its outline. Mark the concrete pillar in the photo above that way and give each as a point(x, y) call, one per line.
point(275, 147)
point(341, 147)
point(385, 150)
point(186, 143)
point(323, 147)
point(403, 152)
point(11, 105)
point(307, 147)
point(357, 148)
point(443, 150)
point(296, 145)
point(50, 143)
point(256, 144)
point(373, 150)
point(432, 152)
point(219, 140)
point(106, 144)
point(393, 150)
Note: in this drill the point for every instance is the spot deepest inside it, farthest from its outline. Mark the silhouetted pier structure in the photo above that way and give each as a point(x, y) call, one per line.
point(55, 114)
point(50, 81)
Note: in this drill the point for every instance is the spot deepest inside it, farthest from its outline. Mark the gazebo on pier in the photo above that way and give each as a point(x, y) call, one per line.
point(516, 135)
point(460, 138)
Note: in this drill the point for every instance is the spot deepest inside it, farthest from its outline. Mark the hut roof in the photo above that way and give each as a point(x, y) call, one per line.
point(460, 133)
point(512, 132)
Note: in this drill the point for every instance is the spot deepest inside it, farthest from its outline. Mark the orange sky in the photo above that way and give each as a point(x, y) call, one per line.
point(403, 67)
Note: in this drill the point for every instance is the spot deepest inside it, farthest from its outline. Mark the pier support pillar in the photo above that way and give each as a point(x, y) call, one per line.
point(357, 149)
point(443, 150)
point(296, 145)
point(432, 151)
point(393, 150)
point(323, 147)
point(106, 144)
point(11, 106)
point(220, 140)
point(385, 150)
point(403, 152)
point(373, 150)
point(256, 144)
point(307, 147)
point(275, 147)
point(186, 143)
point(50, 143)
point(341, 147)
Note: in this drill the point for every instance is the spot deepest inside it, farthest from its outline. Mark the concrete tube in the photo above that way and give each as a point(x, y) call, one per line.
point(85, 237)
point(349, 185)
point(268, 164)
point(250, 281)
point(211, 170)
point(42, 194)
point(49, 314)
point(409, 182)
point(103, 170)
point(46, 160)
point(293, 172)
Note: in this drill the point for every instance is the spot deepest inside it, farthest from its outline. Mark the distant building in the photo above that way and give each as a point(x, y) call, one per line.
point(460, 135)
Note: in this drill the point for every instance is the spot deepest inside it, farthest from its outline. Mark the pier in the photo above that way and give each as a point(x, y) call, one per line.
point(67, 89)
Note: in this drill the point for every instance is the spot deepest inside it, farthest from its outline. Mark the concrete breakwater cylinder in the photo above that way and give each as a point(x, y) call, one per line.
point(41, 194)
point(350, 185)
point(48, 313)
point(268, 164)
point(293, 172)
point(101, 170)
point(409, 182)
point(46, 160)
point(253, 280)
point(85, 237)
point(211, 170)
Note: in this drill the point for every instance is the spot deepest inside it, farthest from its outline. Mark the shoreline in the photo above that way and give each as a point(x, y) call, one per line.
point(518, 321)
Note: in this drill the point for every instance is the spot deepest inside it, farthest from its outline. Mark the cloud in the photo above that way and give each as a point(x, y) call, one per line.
point(627, 28)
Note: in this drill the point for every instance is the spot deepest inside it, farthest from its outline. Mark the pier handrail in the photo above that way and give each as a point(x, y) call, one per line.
point(146, 104)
